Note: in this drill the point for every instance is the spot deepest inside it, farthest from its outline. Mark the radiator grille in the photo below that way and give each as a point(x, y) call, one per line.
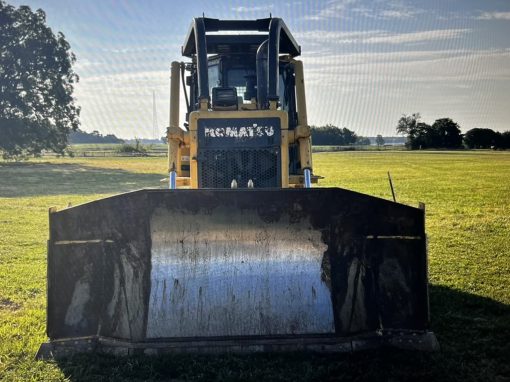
point(217, 168)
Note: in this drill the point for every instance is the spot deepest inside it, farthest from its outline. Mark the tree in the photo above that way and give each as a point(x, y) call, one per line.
point(350, 136)
point(363, 141)
point(332, 135)
point(503, 140)
point(37, 108)
point(481, 138)
point(408, 125)
point(80, 136)
point(136, 149)
point(444, 133)
point(379, 140)
point(447, 134)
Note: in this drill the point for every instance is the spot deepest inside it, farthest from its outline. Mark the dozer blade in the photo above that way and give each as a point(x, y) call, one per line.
point(237, 270)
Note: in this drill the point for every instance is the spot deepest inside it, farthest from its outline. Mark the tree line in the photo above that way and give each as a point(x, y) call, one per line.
point(333, 135)
point(445, 133)
point(80, 136)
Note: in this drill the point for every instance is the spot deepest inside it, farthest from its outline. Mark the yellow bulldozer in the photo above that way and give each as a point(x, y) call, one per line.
point(238, 252)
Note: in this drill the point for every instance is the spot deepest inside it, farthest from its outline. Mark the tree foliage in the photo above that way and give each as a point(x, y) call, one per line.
point(37, 108)
point(487, 138)
point(332, 135)
point(379, 140)
point(444, 133)
point(447, 134)
point(481, 138)
point(407, 124)
point(363, 141)
point(80, 136)
point(136, 149)
point(503, 141)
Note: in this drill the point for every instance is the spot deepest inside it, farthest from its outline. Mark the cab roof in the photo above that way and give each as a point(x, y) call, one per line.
point(228, 43)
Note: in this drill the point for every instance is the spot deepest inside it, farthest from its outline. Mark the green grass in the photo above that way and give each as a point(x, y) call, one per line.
point(333, 148)
point(112, 146)
point(468, 222)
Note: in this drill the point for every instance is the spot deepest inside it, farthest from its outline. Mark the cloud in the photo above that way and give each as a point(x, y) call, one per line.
point(399, 10)
point(415, 37)
point(494, 16)
point(420, 65)
point(372, 89)
point(256, 8)
point(333, 9)
point(398, 14)
point(393, 11)
point(385, 10)
point(318, 37)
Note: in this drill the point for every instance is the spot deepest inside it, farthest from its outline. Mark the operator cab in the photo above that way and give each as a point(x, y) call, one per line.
point(238, 75)
point(245, 107)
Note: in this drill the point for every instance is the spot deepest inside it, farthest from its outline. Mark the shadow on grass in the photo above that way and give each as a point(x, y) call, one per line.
point(41, 179)
point(474, 333)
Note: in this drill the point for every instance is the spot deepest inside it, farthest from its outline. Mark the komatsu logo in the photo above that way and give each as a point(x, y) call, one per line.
point(239, 132)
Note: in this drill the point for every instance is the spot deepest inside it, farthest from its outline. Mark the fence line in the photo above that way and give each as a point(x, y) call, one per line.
point(110, 153)
point(98, 153)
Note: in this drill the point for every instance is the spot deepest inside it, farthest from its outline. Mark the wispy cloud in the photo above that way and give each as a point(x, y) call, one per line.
point(333, 9)
point(439, 83)
point(385, 10)
point(415, 37)
point(256, 8)
point(399, 13)
point(395, 11)
point(379, 36)
point(398, 9)
point(494, 16)
point(318, 37)
point(416, 66)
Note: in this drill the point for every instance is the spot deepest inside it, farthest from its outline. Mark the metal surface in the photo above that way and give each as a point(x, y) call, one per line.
point(252, 267)
point(247, 141)
point(234, 276)
point(173, 144)
point(261, 68)
point(201, 46)
point(288, 44)
point(406, 340)
point(239, 132)
point(308, 178)
point(240, 149)
point(273, 62)
point(173, 180)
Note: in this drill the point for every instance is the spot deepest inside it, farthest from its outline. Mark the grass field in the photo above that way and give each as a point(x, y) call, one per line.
point(468, 222)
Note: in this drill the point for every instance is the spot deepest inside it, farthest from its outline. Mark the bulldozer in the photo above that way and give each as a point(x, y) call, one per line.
point(237, 252)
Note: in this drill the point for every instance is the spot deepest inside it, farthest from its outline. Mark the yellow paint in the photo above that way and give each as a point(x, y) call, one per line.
point(185, 143)
point(242, 114)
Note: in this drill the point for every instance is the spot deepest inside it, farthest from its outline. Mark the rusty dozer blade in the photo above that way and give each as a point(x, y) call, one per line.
point(237, 270)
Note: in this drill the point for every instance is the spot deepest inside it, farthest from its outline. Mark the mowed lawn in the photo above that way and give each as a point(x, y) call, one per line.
point(467, 196)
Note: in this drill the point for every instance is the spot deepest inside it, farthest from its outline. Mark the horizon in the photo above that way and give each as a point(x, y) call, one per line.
point(366, 62)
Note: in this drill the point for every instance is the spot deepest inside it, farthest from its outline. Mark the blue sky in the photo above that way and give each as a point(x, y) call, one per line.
point(366, 62)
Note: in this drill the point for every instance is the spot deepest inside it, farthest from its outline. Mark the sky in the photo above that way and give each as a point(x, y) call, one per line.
point(366, 62)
